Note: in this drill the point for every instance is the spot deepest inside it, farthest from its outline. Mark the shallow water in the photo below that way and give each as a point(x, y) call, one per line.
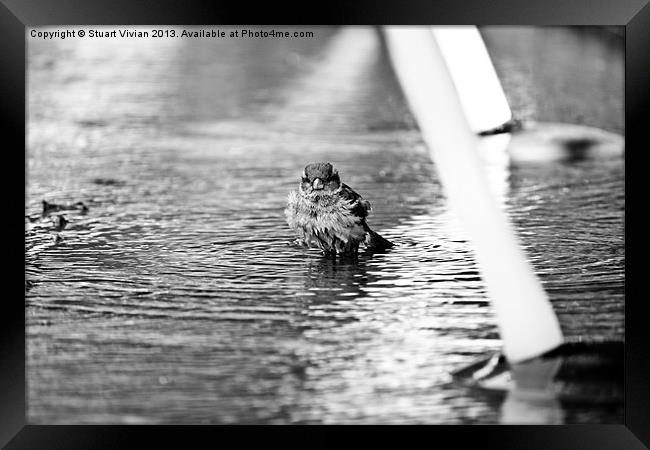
point(177, 299)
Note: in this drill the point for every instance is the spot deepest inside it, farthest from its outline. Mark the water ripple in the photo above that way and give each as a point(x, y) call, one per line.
point(177, 297)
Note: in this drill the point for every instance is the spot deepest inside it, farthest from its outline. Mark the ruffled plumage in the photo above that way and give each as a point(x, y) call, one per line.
point(333, 221)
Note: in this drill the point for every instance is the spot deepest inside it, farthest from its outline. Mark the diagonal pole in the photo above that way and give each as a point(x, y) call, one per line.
point(526, 320)
point(477, 84)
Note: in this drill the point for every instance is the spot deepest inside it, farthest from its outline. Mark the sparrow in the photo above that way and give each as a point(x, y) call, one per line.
point(329, 215)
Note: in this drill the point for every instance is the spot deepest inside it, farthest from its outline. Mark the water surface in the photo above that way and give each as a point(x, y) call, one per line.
point(177, 299)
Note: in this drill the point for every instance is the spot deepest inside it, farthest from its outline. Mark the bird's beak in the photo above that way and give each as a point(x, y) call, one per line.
point(318, 184)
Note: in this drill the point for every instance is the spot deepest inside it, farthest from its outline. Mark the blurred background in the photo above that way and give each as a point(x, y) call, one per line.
point(175, 297)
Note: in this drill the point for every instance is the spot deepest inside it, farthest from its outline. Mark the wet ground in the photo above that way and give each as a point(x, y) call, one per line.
point(176, 298)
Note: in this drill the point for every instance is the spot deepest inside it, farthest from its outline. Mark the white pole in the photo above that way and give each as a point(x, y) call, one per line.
point(524, 314)
point(477, 84)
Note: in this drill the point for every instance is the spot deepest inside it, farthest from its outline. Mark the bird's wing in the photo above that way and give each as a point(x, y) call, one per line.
point(360, 207)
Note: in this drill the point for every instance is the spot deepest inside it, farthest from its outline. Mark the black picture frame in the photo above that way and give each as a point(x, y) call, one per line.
point(16, 15)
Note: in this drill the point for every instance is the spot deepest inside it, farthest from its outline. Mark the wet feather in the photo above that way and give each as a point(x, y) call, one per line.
point(332, 218)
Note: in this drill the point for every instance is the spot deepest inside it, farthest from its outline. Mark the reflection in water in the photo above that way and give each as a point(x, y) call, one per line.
point(533, 398)
point(176, 297)
point(339, 276)
point(525, 407)
point(496, 160)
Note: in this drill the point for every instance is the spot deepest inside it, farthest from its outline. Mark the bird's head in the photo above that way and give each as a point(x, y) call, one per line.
point(320, 178)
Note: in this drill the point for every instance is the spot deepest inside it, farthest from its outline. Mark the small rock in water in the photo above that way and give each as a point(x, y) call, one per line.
point(81, 206)
point(92, 123)
point(49, 208)
point(57, 238)
point(108, 182)
point(59, 222)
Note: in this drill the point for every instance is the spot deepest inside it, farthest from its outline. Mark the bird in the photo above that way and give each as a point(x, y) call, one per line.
point(328, 214)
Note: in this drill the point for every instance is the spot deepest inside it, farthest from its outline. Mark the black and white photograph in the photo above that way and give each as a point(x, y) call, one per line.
point(287, 225)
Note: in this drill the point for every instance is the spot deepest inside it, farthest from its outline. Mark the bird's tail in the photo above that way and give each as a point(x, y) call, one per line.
point(374, 241)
